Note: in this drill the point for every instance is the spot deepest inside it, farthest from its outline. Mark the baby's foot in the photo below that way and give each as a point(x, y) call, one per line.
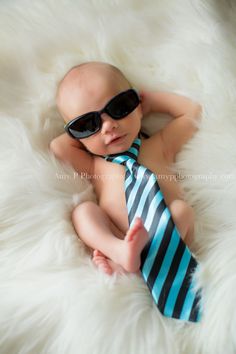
point(106, 264)
point(135, 240)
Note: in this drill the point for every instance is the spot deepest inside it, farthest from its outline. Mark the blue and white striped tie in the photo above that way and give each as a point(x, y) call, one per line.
point(166, 262)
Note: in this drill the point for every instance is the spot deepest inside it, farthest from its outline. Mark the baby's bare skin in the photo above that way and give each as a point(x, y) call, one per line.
point(112, 183)
point(105, 226)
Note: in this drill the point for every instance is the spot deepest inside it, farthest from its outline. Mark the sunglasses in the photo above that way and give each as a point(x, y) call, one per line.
point(90, 123)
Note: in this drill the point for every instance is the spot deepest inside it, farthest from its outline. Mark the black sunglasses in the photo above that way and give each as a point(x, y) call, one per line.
point(90, 123)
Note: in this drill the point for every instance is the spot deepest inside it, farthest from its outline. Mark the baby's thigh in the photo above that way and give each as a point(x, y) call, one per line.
point(88, 215)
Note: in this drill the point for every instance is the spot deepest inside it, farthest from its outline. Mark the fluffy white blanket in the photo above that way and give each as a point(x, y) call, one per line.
point(52, 299)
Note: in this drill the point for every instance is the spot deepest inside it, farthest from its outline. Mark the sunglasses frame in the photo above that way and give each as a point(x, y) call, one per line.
point(98, 115)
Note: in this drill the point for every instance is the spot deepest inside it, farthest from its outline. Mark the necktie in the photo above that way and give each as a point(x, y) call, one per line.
point(166, 262)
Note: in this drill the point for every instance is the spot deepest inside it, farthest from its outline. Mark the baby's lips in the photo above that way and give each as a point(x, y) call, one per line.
point(114, 138)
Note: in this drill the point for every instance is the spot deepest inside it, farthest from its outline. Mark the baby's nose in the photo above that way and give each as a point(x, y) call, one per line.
point(108, 123)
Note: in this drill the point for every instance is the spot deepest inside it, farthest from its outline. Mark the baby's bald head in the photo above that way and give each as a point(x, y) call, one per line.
point(83, 85)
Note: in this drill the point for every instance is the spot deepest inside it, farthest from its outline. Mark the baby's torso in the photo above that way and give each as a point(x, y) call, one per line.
point(108, 181)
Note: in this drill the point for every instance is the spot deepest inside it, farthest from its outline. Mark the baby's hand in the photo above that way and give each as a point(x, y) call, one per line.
point(145, 102)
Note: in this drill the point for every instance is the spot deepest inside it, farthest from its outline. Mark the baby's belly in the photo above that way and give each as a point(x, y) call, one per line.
point(115, 208)
point(111, 194)
point(111, 198)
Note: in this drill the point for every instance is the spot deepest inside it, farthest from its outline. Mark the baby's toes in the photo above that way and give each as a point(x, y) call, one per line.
point(98, 253)
point(105, 268)
point(102, 264)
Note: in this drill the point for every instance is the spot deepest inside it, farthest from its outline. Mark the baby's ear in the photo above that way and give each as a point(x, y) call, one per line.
point(145, 102)
point(140, 110)
point(141, 94)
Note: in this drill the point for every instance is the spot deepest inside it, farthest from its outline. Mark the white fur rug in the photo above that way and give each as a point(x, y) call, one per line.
point(52, 299)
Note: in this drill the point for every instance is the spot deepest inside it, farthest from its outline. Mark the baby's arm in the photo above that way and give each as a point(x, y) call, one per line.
point(73, 152)
point(185, 112)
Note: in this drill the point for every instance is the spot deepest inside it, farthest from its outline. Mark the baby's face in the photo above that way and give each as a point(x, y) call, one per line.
point(91, 90)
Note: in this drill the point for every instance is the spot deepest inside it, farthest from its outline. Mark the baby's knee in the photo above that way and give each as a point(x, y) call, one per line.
point(181, 211)
point(83, 209)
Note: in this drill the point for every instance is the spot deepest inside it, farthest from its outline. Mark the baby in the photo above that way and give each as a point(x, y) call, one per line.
point(104, 226)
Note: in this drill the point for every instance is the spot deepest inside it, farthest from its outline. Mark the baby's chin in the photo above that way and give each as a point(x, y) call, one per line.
point(107, 151)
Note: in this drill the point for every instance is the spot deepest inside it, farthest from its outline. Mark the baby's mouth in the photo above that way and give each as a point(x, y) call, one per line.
point(116, 139)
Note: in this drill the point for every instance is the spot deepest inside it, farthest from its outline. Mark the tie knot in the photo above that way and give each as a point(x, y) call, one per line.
point(130, 154)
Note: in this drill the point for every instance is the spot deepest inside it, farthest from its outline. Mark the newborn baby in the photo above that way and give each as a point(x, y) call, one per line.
point(104, 227)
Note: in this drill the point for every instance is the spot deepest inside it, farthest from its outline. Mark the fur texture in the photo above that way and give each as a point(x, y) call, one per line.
point(53, 300)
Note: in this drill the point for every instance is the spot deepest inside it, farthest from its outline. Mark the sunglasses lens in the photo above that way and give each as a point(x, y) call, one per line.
point(123, 104)
point(85, 126)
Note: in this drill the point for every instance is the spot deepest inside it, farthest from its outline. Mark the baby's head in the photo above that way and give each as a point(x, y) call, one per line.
point(89, 87)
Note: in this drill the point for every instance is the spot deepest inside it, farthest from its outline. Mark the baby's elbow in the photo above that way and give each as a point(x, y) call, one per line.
point(194, 116)
point(198, 116)
point(196, 113)
point(198, 110)
point(56, 148)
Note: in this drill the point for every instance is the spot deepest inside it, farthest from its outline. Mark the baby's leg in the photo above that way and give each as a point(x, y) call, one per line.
point(106, 264)
point(93, 227)
point(183, 217)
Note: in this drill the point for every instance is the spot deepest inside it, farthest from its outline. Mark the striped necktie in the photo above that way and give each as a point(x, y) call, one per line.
point(166, 262)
